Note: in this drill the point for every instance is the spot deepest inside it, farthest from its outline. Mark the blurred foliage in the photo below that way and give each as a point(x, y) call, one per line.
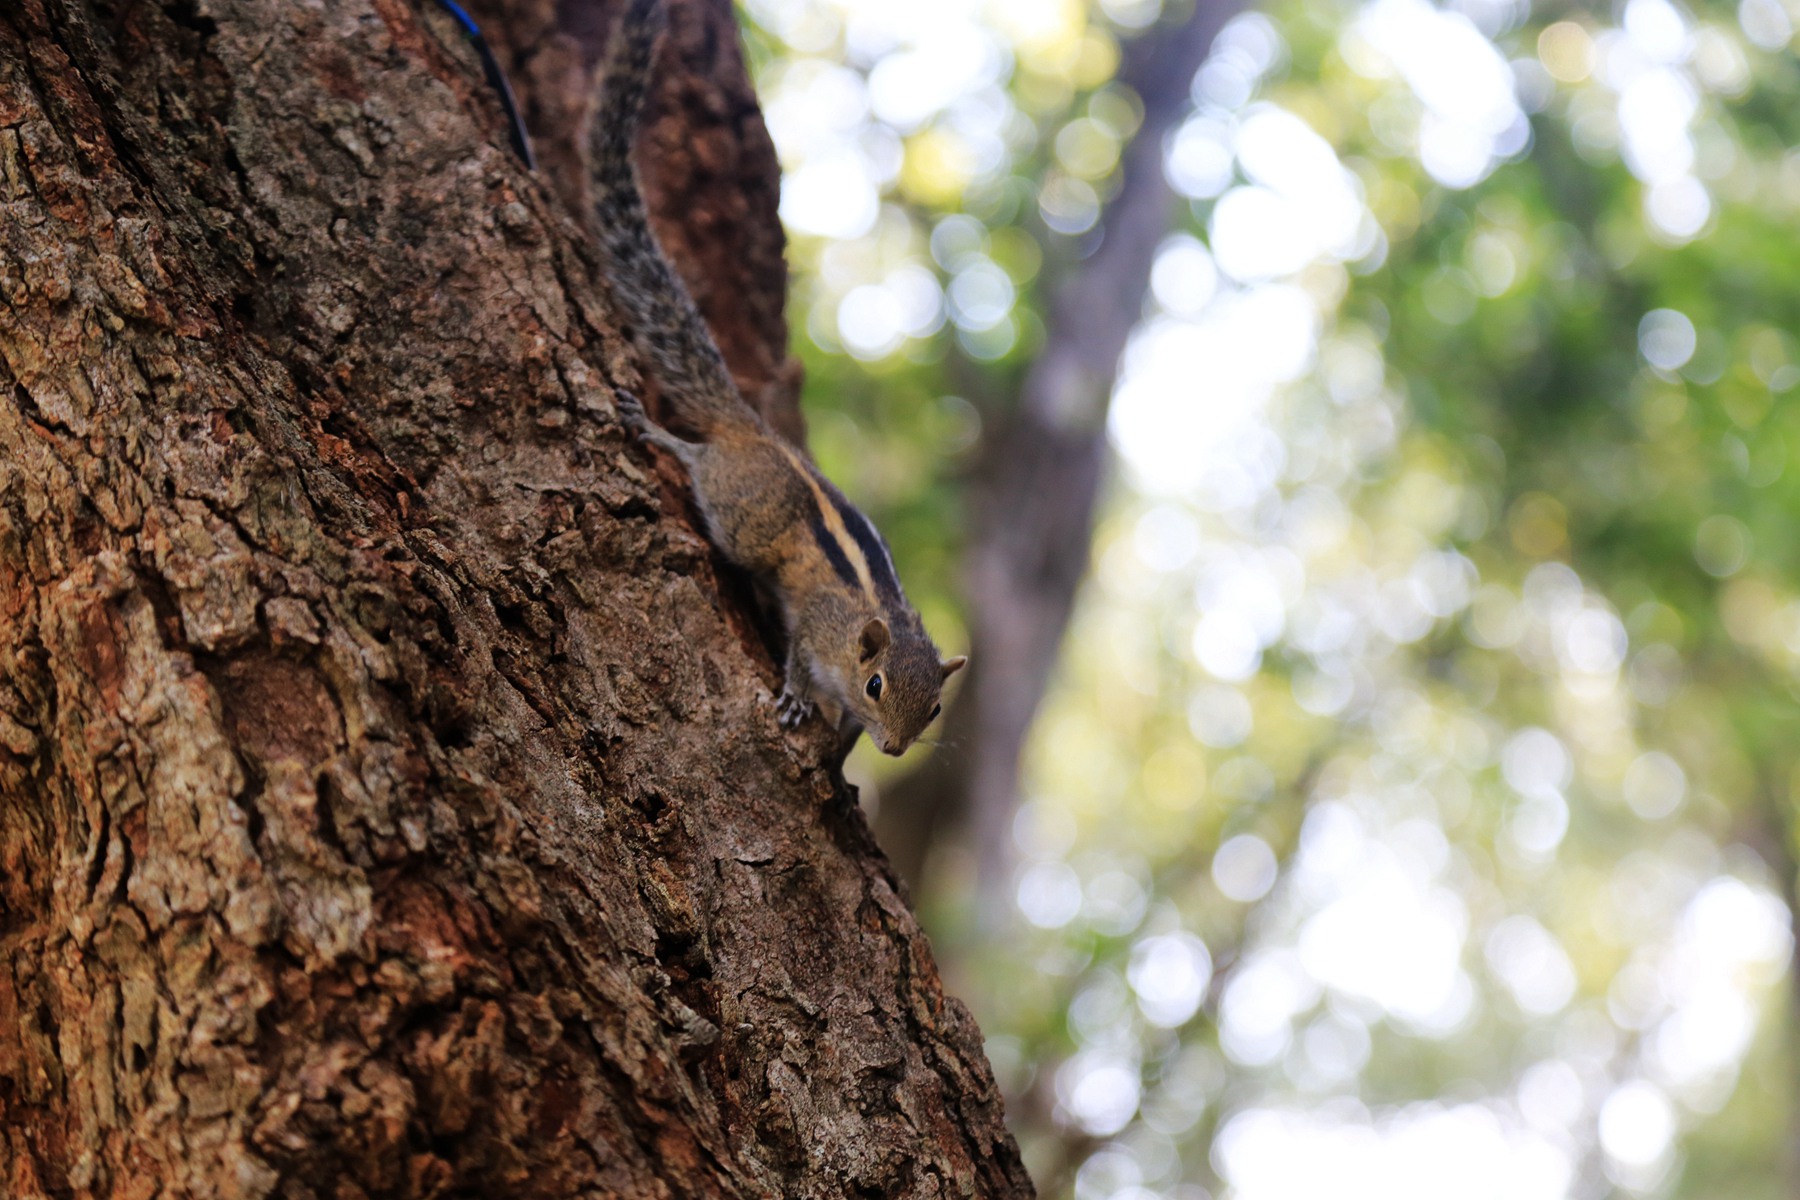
point(1415, 812)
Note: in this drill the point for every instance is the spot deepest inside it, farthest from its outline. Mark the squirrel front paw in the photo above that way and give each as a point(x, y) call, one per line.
point(791, 709)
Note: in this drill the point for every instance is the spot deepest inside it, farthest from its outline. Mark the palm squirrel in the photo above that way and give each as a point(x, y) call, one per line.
point(856, 648)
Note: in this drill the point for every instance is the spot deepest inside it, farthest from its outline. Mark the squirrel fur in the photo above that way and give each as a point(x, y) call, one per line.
point(857, 651)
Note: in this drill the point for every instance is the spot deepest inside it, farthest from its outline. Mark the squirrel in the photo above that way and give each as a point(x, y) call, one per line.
point(857, 650)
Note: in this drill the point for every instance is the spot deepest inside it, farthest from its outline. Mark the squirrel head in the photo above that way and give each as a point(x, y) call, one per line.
point(895, 683)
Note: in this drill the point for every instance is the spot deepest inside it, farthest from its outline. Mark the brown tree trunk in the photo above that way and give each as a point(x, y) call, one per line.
point(390, 802)
point(1034, 495)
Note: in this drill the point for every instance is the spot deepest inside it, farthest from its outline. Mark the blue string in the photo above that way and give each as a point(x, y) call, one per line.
point(462, 17)
point(496, 79)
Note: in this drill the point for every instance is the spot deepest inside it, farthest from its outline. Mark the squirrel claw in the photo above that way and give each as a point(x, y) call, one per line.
point(631, 409)
point(791, 710)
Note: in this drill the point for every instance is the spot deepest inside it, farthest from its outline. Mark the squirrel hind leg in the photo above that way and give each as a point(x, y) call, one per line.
point(632, 414)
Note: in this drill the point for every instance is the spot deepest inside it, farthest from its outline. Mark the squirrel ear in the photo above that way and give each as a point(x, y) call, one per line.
point(951, 666)
point(873, 639)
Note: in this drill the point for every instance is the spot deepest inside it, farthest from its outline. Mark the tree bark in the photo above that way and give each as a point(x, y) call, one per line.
point(391, 802)
point(1033, 497)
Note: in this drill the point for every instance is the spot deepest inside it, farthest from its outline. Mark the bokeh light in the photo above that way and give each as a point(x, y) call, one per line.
point(1413, 810)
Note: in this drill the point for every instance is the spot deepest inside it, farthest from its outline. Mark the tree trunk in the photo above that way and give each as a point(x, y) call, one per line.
point(1034, 496)
point(391, 803)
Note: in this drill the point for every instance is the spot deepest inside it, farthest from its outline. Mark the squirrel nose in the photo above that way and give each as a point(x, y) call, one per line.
point(891, 748)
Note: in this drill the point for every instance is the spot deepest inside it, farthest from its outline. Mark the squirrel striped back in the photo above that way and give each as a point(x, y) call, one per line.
point(696, 388)
point(857, 652)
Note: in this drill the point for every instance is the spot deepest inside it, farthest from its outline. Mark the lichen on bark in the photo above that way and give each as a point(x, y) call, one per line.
point(390, 797)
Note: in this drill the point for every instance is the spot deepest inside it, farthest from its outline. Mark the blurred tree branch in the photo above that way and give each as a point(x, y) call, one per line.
point(1036, 485)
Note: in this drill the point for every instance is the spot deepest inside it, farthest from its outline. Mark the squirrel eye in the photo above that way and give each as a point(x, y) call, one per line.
point(935, 710)
point(874, 688)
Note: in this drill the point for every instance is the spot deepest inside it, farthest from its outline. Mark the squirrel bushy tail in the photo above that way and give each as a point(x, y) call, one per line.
point(696, 388)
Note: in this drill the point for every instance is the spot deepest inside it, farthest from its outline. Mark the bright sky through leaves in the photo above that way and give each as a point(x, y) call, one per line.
point(1414, 813)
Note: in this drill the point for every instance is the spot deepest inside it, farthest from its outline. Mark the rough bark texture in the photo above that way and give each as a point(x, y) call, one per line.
point(390, 805)
point(1032, 500)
